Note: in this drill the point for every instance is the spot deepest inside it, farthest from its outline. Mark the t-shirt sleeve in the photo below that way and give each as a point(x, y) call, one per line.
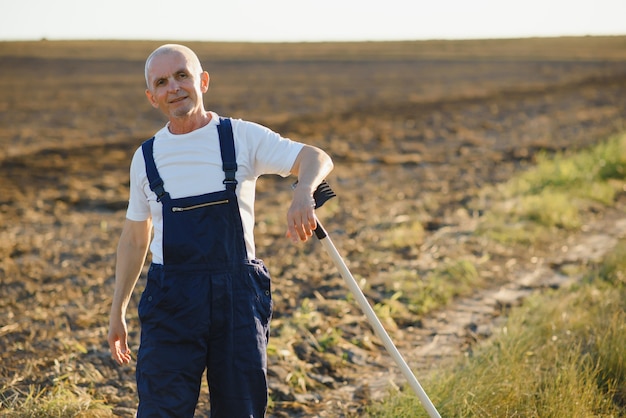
point(138, 206)
point(271, 153)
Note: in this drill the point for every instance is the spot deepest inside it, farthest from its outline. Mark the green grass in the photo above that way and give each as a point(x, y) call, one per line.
point(451, 279)
point(402, 235)
point(579, 174)
point(412, 296)
point(560, 354)
point(555, 195)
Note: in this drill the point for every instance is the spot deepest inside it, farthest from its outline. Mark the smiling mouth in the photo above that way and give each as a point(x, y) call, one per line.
point(178, 99)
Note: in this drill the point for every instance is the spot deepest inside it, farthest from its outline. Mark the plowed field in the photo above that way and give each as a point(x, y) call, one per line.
point(415, 130)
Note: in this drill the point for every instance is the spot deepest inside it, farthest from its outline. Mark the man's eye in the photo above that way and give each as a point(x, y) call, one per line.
point(160, 82)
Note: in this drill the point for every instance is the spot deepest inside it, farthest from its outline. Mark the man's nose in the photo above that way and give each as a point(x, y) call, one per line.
point(173, 85)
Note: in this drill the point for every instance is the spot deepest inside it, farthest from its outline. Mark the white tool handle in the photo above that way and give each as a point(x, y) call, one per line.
point(376, 324)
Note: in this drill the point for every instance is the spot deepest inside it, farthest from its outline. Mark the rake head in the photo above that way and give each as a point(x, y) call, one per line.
point(322, 194)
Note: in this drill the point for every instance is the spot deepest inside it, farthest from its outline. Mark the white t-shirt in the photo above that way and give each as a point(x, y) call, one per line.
point(191, 164)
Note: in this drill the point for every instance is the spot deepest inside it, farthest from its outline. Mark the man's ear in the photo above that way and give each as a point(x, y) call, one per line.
point(152, 99)
point(204, 81)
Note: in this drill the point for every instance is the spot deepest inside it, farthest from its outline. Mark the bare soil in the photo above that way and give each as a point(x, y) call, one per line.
point(416, 130)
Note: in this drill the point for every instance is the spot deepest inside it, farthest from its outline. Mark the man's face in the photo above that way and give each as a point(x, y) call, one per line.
point(176, 84)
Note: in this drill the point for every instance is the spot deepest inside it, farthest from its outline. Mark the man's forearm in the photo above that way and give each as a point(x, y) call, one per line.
point(312, 166)
point(131, 255)
point(127, 272)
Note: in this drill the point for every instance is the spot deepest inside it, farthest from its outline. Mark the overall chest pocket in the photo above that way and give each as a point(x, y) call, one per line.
point(202, 230)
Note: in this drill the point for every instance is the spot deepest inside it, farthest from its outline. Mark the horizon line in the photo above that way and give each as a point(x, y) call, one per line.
point(364, 40)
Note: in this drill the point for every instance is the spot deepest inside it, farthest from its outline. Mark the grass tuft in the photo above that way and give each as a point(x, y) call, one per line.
point(555, 194)
point(59, 401)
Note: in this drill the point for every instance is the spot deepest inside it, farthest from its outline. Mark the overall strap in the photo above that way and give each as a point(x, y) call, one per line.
point(227, 148)
point(156, 182)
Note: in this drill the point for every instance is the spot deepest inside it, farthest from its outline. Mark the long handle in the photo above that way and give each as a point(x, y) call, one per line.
point(374, 321)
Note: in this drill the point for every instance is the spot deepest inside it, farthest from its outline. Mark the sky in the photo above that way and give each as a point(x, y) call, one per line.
point(297, 21)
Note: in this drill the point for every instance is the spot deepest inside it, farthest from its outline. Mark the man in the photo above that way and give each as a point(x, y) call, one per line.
point(207, 301)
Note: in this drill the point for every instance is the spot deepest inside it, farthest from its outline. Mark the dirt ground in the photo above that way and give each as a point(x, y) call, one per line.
point(415, 130)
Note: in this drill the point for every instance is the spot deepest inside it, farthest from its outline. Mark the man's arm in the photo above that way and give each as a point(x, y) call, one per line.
point(131, 255)
point(312, 165)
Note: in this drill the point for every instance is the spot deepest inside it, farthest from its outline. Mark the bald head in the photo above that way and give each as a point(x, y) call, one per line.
point(191, 57)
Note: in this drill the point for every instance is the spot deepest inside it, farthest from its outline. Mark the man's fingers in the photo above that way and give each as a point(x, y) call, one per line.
point(302, 232)
point(301, 224)
point(121, 356)
point(296, 233)
point(119, 350)
point(125, 356)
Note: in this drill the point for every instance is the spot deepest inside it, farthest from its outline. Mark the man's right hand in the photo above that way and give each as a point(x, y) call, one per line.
point(118, 342)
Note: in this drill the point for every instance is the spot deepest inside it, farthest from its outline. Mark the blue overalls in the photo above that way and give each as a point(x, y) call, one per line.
point(207, 305)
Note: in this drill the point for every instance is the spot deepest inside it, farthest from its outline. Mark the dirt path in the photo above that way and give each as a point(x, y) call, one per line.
point(454, 330)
